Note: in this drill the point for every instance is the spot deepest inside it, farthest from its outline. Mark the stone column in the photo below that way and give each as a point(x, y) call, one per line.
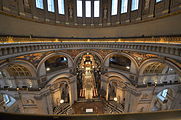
point(166, 6)
point(92, 12)
point(56, 11)
point(75, 11)
point(107, 91)
point(73, 90)
point(106, 64)
point(49, 102)
point(45, 10)
point(83, 12)
point(118, 14)
point(128, 15)
point(67, 11)
point(19, 99)
point(100, 13)
point(42, 70)
point(127, 104)
point(21, 8)
point(109, 12)
point(140, 8)
point(70, 63)
point(120, 95)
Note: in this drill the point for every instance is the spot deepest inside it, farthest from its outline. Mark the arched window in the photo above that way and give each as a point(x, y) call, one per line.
point(135, 4)
point(79, 8)
point(51, 7)
point(39, 4)
point(56, 63)
point(124, 6)
point(96, 8)
point(120, 62)
point(154, 68)
point(114, 9)
point(61, 8)
point(87, 8)
point(16, 70)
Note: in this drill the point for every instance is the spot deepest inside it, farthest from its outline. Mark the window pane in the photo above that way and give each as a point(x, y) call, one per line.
point(124, 6)
point(79, 8)
point(39, 4)
point(51, 5)
point(96, 8)
point(61, 9)
point(114, 7)
point(88, 8)
point(164, 93)
point(135, 4)
point(6, 99)
point(158, 0)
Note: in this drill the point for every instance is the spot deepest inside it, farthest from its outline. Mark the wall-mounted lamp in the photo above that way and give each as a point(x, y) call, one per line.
point(61, 101)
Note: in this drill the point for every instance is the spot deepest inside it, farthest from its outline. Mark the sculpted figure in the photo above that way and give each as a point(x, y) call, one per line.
point(105, 13)
point(70, 11)
point(147, 3)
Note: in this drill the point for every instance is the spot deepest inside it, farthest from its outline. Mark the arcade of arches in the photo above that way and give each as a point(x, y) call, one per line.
point(89, 81)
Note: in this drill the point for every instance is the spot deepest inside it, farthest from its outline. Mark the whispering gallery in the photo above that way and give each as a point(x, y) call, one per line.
point(90, 59)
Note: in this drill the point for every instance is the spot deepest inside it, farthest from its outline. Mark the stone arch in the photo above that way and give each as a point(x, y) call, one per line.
point(135, 64)
point(23, 63)
point(158, 79)
point(63, 78)
point(151, 60)
point(120, 79)
point(111, 75)
point(70, 60)
point(88, 51)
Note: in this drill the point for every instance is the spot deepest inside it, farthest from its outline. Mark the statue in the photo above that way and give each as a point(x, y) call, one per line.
point(26, 3)
point(70, 11)
point(147, 3)
point(105, 13)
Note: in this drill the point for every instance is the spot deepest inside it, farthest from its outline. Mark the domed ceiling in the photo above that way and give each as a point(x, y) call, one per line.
point(90, 13)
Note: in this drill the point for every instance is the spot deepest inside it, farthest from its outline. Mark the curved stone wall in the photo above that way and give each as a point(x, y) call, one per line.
point(166, 26)
point(147, 10)
point(162, 18)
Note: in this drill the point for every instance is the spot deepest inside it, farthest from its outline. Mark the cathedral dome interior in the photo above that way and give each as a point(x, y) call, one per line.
point(90, 59)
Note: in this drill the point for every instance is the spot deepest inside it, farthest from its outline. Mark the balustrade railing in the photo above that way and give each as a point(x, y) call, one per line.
point(159, 79)
point(168, 50)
